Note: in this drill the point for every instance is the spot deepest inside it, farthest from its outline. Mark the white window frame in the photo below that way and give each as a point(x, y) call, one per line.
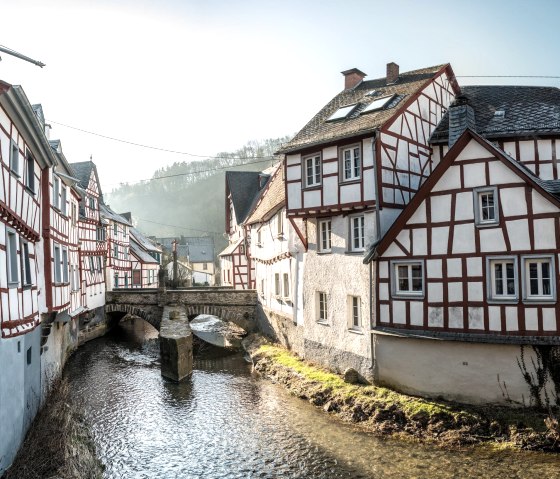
point(410, 293)
point(65, 278)
point(493, 296)
point(14, 158)
point(277, 285)
point(63, 199)
point(29, 173)
point(56, 192)
point(12, 257)
point(352, 237)
point(279, 225)
point(322, 307)
point(57, 258)
point(325, 243)
point(26, 276)
point(286, 286)
point(478, 206)
point(262, 287)
point(355, 172)
point(526, 283)
point(354, 313)
point(316, 170)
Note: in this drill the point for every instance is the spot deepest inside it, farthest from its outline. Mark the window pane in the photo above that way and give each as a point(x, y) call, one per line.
point(403, 278)
point(356, 162)
point(498, 279)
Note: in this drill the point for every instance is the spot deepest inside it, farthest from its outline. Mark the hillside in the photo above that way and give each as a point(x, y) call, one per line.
point(188, 197)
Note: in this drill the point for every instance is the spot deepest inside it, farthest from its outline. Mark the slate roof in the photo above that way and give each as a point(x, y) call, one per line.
point(201, 252)
point(319, 130)
point(82, 171)
point(244, 189)
point(528, 110)
point(143, 241)
point(139, 252)
point(270, 200)
point(108, 213)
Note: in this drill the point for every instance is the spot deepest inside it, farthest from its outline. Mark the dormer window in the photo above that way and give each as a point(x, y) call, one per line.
point(486, 206)
point(312, 173)
point(351, 163)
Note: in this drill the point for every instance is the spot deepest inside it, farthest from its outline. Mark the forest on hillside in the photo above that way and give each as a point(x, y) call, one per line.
point(188, 198)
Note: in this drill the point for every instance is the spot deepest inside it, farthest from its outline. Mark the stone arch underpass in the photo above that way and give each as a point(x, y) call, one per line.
point(237, 306)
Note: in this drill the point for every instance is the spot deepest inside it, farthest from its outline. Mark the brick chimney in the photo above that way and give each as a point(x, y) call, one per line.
point(392, 73)
point(352, 78)
point(461, 117)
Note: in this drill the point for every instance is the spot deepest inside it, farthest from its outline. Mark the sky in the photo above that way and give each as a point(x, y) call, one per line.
point(207, 76)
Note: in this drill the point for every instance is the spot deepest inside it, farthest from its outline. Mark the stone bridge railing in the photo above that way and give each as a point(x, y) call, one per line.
point(237, 306)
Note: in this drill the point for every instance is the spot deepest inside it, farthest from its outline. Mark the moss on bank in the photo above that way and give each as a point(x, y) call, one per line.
point(384, 411)
point(58, 444)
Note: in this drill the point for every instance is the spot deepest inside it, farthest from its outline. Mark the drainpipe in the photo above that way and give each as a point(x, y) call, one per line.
point(377, 238)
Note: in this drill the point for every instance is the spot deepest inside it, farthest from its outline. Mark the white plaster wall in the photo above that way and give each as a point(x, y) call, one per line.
point(340, 275)
point(454, 370)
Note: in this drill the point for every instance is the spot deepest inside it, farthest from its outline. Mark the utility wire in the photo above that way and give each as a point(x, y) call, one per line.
point(270, 158)
point(508, 76)
point(151, 147)
point(180, 227)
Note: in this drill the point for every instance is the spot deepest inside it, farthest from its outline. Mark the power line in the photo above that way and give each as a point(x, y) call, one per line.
point(180, 227)
point(508, 76)
point(270, 158)
point(140, 145)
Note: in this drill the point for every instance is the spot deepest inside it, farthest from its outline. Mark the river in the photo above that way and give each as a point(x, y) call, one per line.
point(226, 422)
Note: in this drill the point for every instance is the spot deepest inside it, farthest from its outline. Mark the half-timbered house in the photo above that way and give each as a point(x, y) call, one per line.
point(348, 174)
point(25, 157)
point(93, 245)
point(145, 262)
point(277, 253)
point(468, 276)
point(118, 271)
point(242, 188)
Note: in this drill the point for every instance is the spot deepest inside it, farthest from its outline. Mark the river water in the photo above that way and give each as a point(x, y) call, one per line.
point(226, 422)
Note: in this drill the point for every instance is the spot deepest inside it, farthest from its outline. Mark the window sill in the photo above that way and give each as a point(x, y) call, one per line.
point(356, 331)
point(494, 224)
point(539, 300)
point(325, 252)
point(350, 181)
point(312, 187)
point(30, 190)
point(323, 323)
point(13, 284)
point(14, 174)
point(408, 296)
point(356, 252)
point(503, 301)
point(27, 286)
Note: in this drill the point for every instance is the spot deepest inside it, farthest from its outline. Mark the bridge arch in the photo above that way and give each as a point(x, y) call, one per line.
point(134, 311)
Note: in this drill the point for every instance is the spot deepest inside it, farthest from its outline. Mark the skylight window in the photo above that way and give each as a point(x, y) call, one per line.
point(500, 113)
point(341, 113)
point(378, 104)
point(372, 93)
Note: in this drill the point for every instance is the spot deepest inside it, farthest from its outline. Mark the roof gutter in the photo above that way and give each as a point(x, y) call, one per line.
point(37, 139)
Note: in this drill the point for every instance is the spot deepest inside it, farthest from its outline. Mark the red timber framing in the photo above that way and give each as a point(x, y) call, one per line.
point(403, 154)
point(20, 200)
point(395, 160)
point(440, 231)
point(93, 250)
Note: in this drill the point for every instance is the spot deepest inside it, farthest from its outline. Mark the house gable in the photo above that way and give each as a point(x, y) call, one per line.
point(444, 244)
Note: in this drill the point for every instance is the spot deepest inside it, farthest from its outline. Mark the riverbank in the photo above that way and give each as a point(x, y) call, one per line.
point(58, 444)
point(386, 412)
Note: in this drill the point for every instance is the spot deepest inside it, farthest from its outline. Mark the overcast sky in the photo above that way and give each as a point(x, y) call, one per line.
point(209, 75)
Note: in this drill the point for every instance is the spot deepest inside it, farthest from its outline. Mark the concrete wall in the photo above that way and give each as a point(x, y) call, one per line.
point(20, 391)
point(459, 371)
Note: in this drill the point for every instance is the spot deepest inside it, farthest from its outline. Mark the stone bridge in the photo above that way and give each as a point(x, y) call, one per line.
point(237, 306)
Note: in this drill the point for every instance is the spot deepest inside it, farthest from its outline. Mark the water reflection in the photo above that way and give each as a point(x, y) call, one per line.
point(227, 423)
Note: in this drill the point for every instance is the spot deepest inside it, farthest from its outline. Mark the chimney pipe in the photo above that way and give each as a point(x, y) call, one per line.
point(392, 73)
point(352, 78)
